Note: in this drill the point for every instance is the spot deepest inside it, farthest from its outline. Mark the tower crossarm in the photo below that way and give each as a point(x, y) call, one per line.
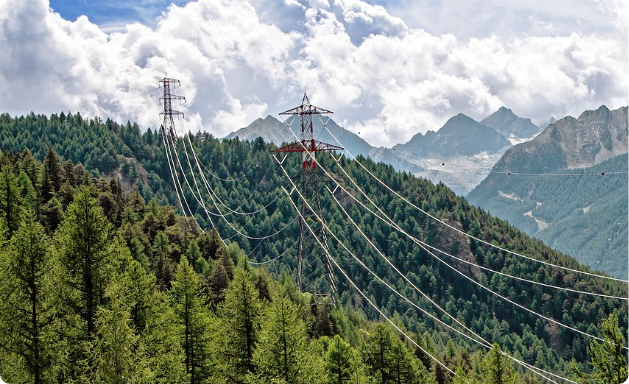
point(306, 109)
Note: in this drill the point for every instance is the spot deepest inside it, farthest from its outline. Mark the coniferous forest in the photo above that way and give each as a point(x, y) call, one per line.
point(103, 278)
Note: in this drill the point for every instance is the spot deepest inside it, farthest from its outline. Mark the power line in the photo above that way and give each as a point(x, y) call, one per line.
point(484, 342)
point(467, 234)
point(495, 293)
point(326, 250)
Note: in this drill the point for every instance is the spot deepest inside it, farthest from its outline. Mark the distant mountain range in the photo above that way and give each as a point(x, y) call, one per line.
point(553, 188)
point(592, 138)
point(274, 131)
point(460, 154)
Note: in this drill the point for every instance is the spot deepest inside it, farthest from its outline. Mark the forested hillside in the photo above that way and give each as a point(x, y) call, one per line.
point(248, 181)
point(582, 212)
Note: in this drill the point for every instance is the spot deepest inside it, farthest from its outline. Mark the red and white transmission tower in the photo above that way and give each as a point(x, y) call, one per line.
point(168, 125)
point(310, 183)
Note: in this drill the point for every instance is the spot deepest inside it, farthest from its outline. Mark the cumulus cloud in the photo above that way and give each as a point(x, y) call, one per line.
point(239, 60)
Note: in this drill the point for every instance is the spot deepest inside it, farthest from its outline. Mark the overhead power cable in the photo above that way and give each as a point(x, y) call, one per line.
point(387, 220)
point(480, 340)
point(211, 194)
point(603, 173)
point(391, 222)
point(467, 234)
point(482, 286)
point(363, 294)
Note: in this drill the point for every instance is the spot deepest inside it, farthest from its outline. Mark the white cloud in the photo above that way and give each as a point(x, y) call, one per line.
point(238, 61)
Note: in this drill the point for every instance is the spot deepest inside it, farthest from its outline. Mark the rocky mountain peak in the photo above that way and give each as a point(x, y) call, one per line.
point(460, 135)
point(508, 124)
point(596, 136)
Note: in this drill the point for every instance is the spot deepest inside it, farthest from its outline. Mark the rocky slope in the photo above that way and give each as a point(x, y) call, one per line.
point(592, 138)
point(460, 154)
point(537, 186)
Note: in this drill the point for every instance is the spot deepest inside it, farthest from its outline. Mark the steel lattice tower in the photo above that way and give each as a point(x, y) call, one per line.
point(168, 125)
point(310, 184)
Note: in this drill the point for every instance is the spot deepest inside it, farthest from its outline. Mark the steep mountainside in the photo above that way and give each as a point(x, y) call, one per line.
point(582, 216)
point(579, 212)
point(248, 181)
point(515, 128)
point(594, 137)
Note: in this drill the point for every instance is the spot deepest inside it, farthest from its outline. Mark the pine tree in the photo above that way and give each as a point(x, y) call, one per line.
point(25, 312)
point(240, 316)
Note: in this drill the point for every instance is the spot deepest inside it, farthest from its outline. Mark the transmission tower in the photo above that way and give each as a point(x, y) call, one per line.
point(168, 125)
point(310, 184)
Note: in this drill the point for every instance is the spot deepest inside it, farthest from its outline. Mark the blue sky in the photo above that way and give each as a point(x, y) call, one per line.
point(113, 14)
point(388, 69)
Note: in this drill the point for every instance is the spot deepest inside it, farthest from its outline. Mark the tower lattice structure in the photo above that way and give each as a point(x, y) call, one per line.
point(310, 258)
point(168, 124)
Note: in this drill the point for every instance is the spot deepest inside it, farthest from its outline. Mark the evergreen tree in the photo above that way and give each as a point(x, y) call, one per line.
point(607, 359)
point(497, 368)
point(282, 354)
point(240, 316)
point(194, 322)
point(25, 312)
point(85, 251)
point(10, 200)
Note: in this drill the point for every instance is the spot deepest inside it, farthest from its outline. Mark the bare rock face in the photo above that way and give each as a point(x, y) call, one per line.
point(505, 122)
point(594, 137)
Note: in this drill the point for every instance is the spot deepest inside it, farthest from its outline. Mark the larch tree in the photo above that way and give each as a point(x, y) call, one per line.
point(25, 311)
point(497, 368)
point(339, 361)
point(10, 200)
point(195, 323)
point(283, 352)
point(378, 353)
point(85, 255)
point(240, 316)
point(607, 359)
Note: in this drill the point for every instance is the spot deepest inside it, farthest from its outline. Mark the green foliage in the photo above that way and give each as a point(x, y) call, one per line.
point(583, 216)
point(194, 323)
point(339, 361)
point(240, 315)
point(283, 351)
point(497, 368)
point(607, 358)
point(25, 310)
point(10, 200)
point(149, 241)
